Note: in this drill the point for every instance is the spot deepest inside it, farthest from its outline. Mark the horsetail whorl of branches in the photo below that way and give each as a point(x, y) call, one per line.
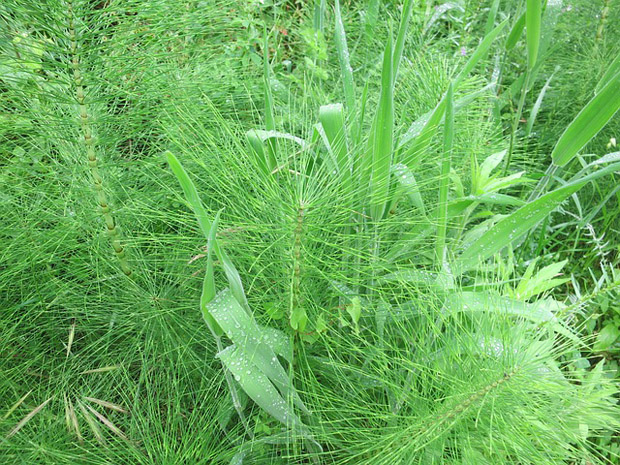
point(89, 142)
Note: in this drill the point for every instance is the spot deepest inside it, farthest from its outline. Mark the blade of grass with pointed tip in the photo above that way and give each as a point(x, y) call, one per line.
point(191, 195)
point(111, 426)
point(16, 404)
point(94, 427)
point(536, 107)
point(590, 120)
point(345, 62)
point(479, 53)
point(533, 21)
point(492, 16)
point(382, 141)
point(270, 121)
point(518, 223)
point(444, 180)
point(400, 38)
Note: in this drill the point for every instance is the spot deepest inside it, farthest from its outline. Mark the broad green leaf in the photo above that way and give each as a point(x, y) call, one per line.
point(265, 158)
point(191, 195)
point(345, 62)
point(612, 70)
point(332, 121)
point(590, 120)
point(372, 15)
point(533, 21)
point(257, 385)
point(512, 227)
point(382, 140)
point(257, 345)
point(607, 336)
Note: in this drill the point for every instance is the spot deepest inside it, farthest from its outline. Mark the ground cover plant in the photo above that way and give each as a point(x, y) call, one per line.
point(340, 232)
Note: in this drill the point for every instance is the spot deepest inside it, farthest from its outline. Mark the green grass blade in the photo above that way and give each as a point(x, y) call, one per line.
point(372, 15)
point(400, 38)
point(265, 158)
point(408, 186)
point(331, 118)
point(191, 195)
point(480, 52)
point(612, 70)
point(383, 139)
point(590, 120)
point(515, 33)
point(533, 21)
point(492, 16)
point(444, 181)
point(536, 107)
point(208, 285)
point(344, 60)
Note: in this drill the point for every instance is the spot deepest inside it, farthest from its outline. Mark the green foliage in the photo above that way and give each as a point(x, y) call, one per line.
point(393, 266)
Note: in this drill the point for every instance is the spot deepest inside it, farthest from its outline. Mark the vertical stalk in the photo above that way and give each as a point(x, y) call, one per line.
point(89, 143)
point(298, 317)
point(603, 21)
point(444, 181)
point(515, 123)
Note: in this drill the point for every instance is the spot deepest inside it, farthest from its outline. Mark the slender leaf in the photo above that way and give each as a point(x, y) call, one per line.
point(345, 62)
point(382, 146)
point(590, 120)
point(191, 194)
point(533, 21)
point(444, 181)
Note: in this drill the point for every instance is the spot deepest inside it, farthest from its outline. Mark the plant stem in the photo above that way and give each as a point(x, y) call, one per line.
point(111, 226)
point(603, 21)
point(515, 123)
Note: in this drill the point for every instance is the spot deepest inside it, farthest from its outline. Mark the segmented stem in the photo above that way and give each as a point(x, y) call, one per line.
point(452, 414)
point(89, 142)
point(603, 21)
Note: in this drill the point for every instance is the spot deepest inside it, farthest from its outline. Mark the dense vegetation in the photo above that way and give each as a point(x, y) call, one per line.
point(278, 232)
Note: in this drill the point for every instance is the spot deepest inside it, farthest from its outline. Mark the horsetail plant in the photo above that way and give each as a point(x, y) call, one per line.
point(253, 357)
point(112, 227)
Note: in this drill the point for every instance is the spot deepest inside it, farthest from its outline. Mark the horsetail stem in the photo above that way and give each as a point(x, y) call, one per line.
point(89, 142)
point(603, 21)
point(451, 414)
point(297, 313)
